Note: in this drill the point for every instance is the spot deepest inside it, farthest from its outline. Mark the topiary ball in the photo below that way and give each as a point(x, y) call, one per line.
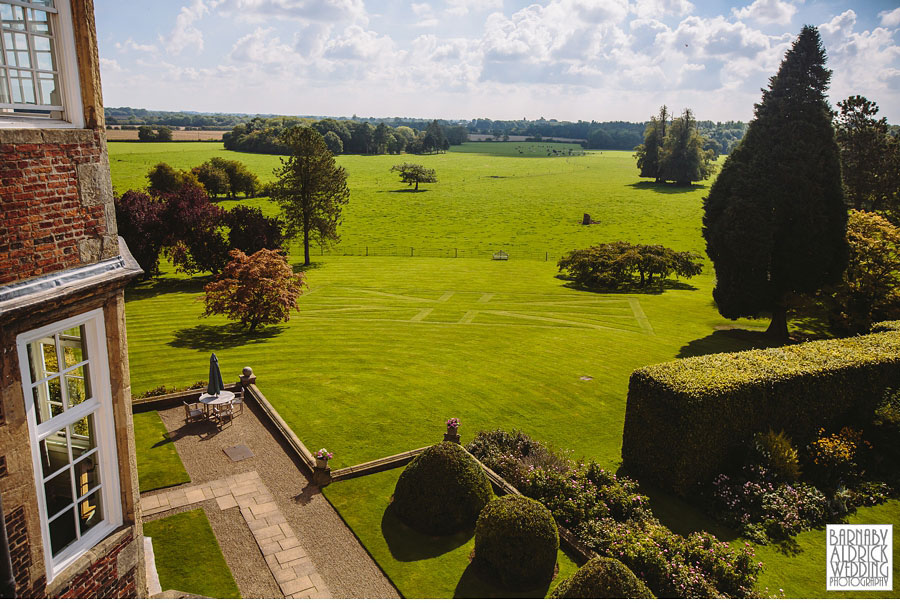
point(516, 541)
point(602, 578)
point(442, 490)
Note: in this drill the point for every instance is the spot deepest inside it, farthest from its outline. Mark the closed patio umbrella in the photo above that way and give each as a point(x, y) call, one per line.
point(216, 385)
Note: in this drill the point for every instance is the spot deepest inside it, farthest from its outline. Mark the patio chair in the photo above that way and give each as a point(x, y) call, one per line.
point(239, 400)
point(193, 411)
point(224, 412)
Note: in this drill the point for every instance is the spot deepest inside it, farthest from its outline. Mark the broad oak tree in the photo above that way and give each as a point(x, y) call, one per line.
point(255, 290)
point(775, 220)
point(413, 173)
point(311, 188)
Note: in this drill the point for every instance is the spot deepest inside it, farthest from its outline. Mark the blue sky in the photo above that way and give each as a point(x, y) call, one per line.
point(502, 59)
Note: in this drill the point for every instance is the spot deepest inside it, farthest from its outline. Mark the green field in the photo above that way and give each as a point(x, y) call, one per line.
point(384, 349)
point(159, 465)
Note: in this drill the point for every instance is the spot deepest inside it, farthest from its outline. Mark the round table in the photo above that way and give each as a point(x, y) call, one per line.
point(210, 401)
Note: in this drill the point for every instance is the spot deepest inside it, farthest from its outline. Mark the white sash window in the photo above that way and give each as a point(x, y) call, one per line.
point(69, 412)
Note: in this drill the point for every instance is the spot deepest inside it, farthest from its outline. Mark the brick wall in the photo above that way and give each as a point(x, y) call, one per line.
point(20, 555)
point(56, 201)
point(101, 580)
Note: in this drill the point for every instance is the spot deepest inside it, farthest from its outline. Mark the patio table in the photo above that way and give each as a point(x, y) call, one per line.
point(210, 402)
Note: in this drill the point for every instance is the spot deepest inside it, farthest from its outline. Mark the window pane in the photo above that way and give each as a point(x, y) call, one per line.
point(47, 400)
point(58, 492)
point(77, 386)
point(62, 531)
point(31, 348)
point(43, 51)
point(90, 511)
point(4, 98)
point(84, 436)
point(87, 475)
point(51, 364)
point(22, 84)
point(38, 21)
point(49, 89)
point(73, 343)
point(6, 13)
point(14, 17)
point(54, 452)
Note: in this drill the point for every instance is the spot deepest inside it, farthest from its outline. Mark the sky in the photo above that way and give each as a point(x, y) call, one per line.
point(602, 60)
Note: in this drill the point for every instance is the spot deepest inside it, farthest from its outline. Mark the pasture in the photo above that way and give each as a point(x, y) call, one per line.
point(384, 349)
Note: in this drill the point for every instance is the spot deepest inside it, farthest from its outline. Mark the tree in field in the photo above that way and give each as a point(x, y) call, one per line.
point(870, 289)
point(240, 178)
point(164, 134)
point(683, 158)
point(164, 178)
point(648, 153)
point(869, 157)
point(334, 143)
point(621, 264)
point(434, 141)
point(249, 230)
point(213, 179)
point(195, 238)
point(139, 220)
point(413, 173)
point(311, 188)
point(255, 290)
point(775, 219)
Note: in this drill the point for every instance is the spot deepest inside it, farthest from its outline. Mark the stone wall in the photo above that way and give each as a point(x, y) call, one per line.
point(57, 202)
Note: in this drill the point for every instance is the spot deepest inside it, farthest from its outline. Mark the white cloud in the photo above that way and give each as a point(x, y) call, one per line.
point(655, 9)
point(110, 66)
point(425, 14)
point(773, 12)
point(460, 8)
point(324, 11)
point(130, 44)
point(890, 18)
point(185, 34)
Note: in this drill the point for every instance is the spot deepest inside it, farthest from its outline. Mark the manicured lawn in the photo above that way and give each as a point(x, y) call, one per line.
point(421, 567)
point(188, 557)
point(158, 463)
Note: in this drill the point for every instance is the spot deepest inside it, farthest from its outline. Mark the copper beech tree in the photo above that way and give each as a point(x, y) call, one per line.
point(260, 289)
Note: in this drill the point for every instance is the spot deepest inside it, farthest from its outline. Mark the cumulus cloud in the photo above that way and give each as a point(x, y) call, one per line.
point(464, 7)
point(185, 34)
point(324, 11)
point(130, 44)
point(110, 66)
point(424, 14)
point(774, 12)
point(890, 18)
point(655, 9)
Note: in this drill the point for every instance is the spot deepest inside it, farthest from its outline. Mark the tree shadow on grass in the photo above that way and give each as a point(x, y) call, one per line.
point(407, 544)
point(406, 190)
point(657, 287)
point(726, 339)
point(472, 586)
point(206, 338)
point(164, 284)
point(667, 188)
point(301, 267)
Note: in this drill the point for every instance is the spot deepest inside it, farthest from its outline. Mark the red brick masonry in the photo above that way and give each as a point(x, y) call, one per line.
point(43, 217)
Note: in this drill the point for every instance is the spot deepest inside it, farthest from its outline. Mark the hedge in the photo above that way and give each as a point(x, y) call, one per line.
point(602, 578)
point(685, 420)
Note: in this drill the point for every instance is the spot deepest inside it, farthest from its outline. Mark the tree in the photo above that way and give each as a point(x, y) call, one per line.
point(213, 179)
point(868, 156)
point(139, 221)
point(622, 264)
point(380, 139)
point(334, 143)
point(249, 230)
point(647, 154)
point(146, 134)
point(311, 189)
point(870, 289)
point(257, 290)
point(195, 240)
point(683, 159)
point(164, 178)
point(775, 220)
point(164, 134)
point(413, 173)
point(240, 178)
point(434, 140)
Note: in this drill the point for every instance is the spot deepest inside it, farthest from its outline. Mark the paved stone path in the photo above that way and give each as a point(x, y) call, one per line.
point(293, 570)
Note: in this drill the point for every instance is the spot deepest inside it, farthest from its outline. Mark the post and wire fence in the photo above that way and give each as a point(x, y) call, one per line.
point(504, 253)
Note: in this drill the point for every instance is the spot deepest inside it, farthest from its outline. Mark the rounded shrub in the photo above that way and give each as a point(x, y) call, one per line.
point(441, 491)
point(602, 578)
point(516, 541)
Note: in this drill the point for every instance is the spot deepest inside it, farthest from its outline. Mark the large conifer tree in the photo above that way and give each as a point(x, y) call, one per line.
point(775, 218)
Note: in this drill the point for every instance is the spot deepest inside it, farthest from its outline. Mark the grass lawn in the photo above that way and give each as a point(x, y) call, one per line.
point(188, 557)
point(384, 349)
point(421, 567)
point(158, 463)
point(799, 567)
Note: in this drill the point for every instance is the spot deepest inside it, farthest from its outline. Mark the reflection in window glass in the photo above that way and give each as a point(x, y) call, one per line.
point(83, 436)
point(62, 531)
point(87, 475)
point(58, 491)
point(54, 452)
point(73, 346)
point(77, 386)
point(90, 511)
point(51, 363)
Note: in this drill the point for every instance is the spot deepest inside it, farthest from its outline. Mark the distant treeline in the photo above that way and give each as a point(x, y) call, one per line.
point(261, 135)
point(257, 133)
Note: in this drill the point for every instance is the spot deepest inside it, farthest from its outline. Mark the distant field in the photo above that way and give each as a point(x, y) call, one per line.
point(179, 135)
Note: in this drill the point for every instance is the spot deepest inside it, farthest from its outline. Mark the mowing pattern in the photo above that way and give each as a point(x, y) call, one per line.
point(478, 308)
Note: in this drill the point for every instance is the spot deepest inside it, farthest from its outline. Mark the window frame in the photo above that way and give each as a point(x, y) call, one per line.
point(101, 406)
point(67, 69)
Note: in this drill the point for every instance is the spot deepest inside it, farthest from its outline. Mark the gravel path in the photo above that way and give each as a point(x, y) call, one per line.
point(346, 567)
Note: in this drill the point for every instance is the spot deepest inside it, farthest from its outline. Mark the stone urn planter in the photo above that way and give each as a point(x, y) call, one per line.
point(452, 434)
point(321, 463)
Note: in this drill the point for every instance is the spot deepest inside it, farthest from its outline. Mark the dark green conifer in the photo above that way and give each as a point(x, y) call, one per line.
point(775, 218)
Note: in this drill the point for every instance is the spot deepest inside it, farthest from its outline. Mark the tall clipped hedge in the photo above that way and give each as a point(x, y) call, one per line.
point(687, 418)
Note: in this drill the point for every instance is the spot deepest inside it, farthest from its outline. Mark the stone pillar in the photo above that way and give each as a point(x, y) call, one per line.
point(247, 378)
